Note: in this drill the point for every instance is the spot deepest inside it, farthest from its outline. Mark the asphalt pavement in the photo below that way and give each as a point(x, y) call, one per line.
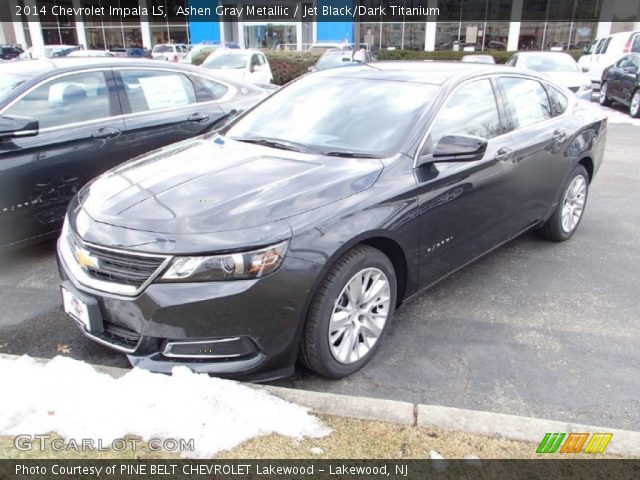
point(535, 328)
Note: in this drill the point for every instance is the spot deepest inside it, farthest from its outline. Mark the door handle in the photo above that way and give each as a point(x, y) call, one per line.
point(106, 133)
point(198, 117)
point(559, 135)
point(504, 154)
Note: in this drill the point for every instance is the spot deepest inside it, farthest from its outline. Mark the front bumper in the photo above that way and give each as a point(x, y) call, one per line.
point(255, 325)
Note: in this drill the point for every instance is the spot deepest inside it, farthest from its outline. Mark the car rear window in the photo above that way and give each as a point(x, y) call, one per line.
point(162, 49)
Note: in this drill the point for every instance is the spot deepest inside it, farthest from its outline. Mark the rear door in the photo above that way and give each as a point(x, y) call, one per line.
point(540, 133)
point(79, 137)
point(163, 106)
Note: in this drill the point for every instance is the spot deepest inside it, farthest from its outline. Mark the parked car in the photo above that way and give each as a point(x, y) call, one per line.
point(324, 46)
point(64, 121)
point(296, 230)
point(606, 51)
point(561, 67)
point(10, 52)
point(207, 49)
point(478, 59)
point(621, 83)
point(132, 52)
point(341, 58)
point(172, 52)
point(91, 53)
point(249, 66)
point(48, 51)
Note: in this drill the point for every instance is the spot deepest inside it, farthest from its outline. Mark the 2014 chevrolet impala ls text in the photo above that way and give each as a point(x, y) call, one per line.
point(295, 231)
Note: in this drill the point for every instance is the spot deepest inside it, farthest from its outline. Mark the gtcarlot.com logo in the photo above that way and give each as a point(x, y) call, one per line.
point(58, 444)
point(574, 443)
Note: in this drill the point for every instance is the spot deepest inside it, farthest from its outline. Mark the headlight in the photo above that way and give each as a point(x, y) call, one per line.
point(584, 88)
point(232, 266)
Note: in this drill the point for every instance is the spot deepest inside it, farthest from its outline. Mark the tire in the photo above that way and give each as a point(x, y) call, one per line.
point(573, 202)
point(604, 100)
point(331, 324)
point(634, 106)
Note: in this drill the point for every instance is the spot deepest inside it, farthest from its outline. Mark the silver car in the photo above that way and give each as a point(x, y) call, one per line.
point(559, 67)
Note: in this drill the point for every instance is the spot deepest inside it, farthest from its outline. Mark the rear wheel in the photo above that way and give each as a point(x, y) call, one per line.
point(568, 213)
point(350, 313)
point(605, 101)
point(634, 107)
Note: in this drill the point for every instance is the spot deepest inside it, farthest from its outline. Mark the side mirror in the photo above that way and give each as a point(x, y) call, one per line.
point(12, 127)
point(457, 148)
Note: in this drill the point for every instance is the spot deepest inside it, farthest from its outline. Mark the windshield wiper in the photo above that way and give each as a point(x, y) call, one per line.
point(274, 142)
point(348, 154)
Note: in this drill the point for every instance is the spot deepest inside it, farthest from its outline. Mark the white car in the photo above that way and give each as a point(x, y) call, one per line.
point(606, 51)
point(250, 66)
point(558, 66)
point(170, 52)
point(49, 51)
point(91, 53)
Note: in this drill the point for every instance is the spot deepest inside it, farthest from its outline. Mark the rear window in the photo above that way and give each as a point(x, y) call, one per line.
point(162, 49)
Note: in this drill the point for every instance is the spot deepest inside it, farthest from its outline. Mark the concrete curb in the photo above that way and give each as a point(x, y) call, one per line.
point(510, 427)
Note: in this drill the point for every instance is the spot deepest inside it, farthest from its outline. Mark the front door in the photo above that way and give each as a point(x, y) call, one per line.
point(466, 208)
point(78, 138)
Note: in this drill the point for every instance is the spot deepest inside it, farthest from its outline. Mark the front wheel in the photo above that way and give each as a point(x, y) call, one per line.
point(350, 313)
point(568, 213)
point(605, 101)
point(634, 107)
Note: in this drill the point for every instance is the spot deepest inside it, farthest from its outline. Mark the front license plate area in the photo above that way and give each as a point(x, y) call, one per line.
point(82, 308)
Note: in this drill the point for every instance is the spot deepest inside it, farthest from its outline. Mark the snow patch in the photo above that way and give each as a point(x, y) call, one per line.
point(70, 398)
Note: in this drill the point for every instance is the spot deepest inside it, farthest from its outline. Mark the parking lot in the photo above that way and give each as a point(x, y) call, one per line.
point(535, 328)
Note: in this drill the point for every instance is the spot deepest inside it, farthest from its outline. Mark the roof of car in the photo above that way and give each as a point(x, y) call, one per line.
point(435, 73)
point(36, 67)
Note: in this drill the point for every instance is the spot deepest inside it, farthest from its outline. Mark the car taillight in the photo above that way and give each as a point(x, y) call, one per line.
point(175, 58)
point(627, 47)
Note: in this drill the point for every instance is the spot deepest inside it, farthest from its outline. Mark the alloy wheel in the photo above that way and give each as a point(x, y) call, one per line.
point(634, 109)
point(574, 199)
point(603, 93)
point(359, 315)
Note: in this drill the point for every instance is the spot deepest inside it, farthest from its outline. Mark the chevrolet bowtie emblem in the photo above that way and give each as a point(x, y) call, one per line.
point(85, 260)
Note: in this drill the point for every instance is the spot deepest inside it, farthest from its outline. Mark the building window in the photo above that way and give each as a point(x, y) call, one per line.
point(175, 29)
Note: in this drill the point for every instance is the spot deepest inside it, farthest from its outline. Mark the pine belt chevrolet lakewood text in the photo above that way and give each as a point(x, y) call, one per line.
point(295, 231)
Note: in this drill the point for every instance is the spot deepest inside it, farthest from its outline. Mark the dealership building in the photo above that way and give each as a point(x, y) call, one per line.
point(478, 24)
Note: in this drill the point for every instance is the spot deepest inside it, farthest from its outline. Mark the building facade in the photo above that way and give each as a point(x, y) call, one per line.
point(490, 25)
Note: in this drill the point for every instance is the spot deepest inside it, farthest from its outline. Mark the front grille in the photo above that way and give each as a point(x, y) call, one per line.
point(123, 268)
point(574, 89)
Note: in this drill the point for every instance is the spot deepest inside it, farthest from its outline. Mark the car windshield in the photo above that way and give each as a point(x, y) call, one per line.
point(338, 115)
point(162, 49)
point(549, 63)
point(334, 60)
point(9, 82)
point(226, 61)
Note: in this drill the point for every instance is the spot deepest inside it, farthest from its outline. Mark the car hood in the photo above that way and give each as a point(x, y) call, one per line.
point(569, 79)
point(213, 184)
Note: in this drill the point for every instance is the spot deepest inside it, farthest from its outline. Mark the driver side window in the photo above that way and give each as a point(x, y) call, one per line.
point(471, 110)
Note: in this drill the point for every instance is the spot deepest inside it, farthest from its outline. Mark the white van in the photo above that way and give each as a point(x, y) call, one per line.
point(606, 51)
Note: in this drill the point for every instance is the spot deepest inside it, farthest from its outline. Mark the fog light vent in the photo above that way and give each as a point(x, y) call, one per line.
point(220, 348)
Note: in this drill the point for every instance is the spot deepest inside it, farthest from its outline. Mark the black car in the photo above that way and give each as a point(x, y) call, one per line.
point(621, 83)
point(9, 52)
point(64, 121)
point(296, 231)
